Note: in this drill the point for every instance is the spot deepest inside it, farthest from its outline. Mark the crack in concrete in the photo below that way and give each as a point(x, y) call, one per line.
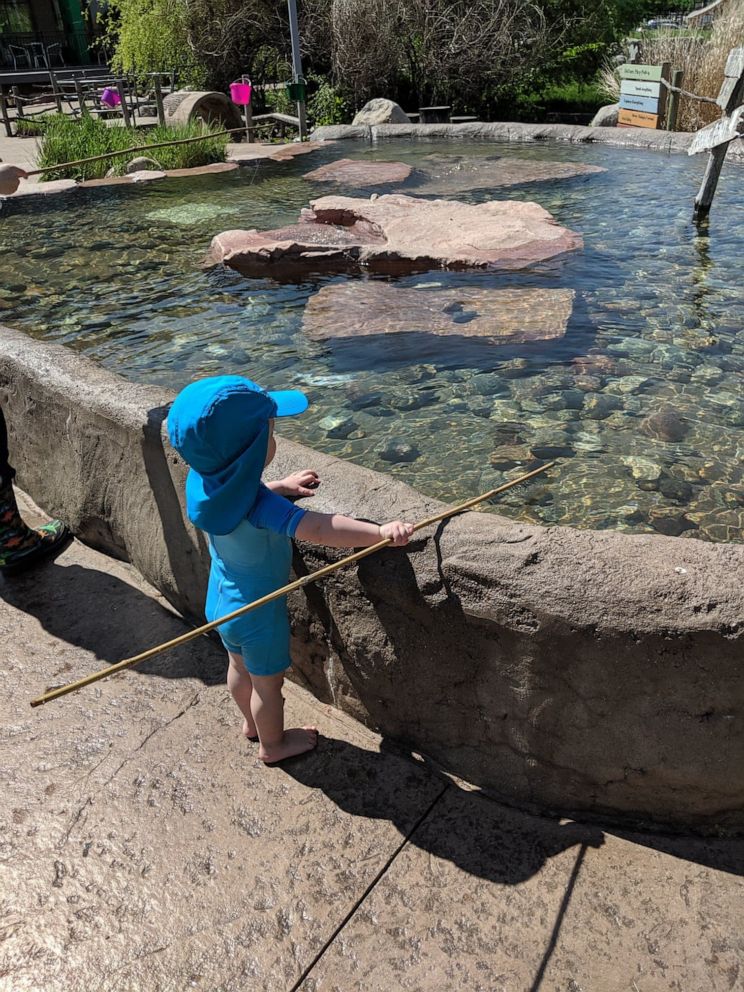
point(163, 726)
point(370, 888)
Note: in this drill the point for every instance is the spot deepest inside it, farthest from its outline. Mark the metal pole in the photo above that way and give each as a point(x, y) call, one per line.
point(4, 113)
point(123, 98)
point(159, 98)
point(297, 77)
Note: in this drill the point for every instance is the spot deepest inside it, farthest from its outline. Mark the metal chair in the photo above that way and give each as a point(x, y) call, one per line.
point(21, 55)
point(54, 51)
point(36, 50)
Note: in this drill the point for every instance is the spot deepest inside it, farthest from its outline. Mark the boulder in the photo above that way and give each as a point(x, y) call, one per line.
point(502, 316)
point(141, 164)
point(606, 116)
point(204, 105)
point(380, 111)
point(400, 233)
point(356, 172)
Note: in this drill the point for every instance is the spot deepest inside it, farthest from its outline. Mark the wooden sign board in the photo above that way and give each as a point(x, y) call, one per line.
point(651, 73)
point(719, 133)
point(636, 118)
point(645, 104)
point(633, 87)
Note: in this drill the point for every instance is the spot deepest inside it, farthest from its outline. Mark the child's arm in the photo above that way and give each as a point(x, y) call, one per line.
point(336, 531)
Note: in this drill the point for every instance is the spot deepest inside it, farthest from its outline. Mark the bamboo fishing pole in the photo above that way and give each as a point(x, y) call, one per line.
point(297, 584)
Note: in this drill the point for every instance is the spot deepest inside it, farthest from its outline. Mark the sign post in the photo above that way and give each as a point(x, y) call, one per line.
point(716, 137)
point(642, 95)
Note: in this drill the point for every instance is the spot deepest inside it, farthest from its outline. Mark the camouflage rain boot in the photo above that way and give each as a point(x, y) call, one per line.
point(21, 546)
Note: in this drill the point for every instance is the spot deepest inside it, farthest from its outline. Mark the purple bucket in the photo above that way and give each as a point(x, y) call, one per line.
point(240, 94)
point(110, 97)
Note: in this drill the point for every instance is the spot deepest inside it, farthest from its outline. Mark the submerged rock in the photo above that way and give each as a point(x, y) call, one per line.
point(447, 176)
point(338, 425)
point(664, 424)
point(401, 233)
point(360, 172)
point(509, 455)
point(397, 450)
point(504, 316)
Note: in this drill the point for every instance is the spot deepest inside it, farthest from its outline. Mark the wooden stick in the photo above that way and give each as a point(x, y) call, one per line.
point(297, 584)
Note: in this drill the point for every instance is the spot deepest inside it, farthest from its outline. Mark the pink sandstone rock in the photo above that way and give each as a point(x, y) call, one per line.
point(502, 316)
point(448, 175)
point(400, 233)
point(360, 172)
point(257, 151)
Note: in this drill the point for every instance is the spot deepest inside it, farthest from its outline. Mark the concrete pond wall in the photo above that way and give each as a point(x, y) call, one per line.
point(584, 673)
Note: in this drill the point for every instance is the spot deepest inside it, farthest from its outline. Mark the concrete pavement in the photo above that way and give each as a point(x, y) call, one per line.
point(145, 847)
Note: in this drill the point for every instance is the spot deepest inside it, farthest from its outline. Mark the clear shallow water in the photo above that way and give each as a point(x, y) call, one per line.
point(118, 276)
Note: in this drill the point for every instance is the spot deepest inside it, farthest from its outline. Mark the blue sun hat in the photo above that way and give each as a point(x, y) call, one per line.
point(220, 427)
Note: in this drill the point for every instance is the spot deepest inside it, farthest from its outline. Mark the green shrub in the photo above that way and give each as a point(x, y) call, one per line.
point(327, 105)
point(67, 140)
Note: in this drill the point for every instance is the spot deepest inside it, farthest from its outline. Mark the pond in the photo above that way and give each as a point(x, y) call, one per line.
point(640, 398)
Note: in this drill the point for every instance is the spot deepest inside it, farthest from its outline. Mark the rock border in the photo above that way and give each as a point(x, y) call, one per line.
point(499, 131)
point(592, 674)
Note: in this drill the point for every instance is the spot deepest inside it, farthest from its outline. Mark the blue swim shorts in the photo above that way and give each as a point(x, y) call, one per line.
point(263, 642)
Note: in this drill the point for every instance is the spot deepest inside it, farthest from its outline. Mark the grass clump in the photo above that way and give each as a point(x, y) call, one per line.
point(66, 139)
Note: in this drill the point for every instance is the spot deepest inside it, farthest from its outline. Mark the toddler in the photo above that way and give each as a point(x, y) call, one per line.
point(223, 428)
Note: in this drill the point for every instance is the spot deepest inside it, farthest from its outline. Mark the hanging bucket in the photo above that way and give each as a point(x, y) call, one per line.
point(110, 97)
point(240, 94)
point(296, 90)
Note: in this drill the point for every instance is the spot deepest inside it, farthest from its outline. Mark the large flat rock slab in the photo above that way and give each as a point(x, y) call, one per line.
point(503, 316)
point(360, 172)
point(448, 175)
point(256, 151)
point(401, 233)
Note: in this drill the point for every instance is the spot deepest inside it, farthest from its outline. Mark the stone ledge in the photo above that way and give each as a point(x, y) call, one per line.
point(638, 137)
point(591, 673)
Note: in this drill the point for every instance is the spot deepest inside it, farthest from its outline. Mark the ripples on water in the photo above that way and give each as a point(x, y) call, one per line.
point(117, 275)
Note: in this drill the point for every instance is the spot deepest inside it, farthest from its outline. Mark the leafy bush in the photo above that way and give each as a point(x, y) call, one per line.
point(67, 140)
point(327, 104)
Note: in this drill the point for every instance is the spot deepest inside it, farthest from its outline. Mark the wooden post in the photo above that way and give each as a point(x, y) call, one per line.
point(677, 77)
point(707, 190)
point(123, 97)
point(159, 98)
point(716, 137)
point(4, 113)
point(56, 91)
point(18, 101)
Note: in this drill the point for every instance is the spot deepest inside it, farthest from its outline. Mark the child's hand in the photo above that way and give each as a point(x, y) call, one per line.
point(396, 532)
point(298, 484)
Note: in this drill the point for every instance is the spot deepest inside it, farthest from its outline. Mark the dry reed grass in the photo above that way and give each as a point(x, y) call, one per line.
point(701, 57)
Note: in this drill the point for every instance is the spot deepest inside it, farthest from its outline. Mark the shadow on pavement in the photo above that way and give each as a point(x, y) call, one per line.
point(98, 612)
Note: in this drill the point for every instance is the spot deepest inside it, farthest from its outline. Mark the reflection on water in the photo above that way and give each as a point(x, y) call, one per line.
point(640, 400)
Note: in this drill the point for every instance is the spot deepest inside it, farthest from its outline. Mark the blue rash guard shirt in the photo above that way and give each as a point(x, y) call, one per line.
point(249, 562)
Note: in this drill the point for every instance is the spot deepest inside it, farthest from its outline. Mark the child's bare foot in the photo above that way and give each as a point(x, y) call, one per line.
point(249, 730)
point(294, 742)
